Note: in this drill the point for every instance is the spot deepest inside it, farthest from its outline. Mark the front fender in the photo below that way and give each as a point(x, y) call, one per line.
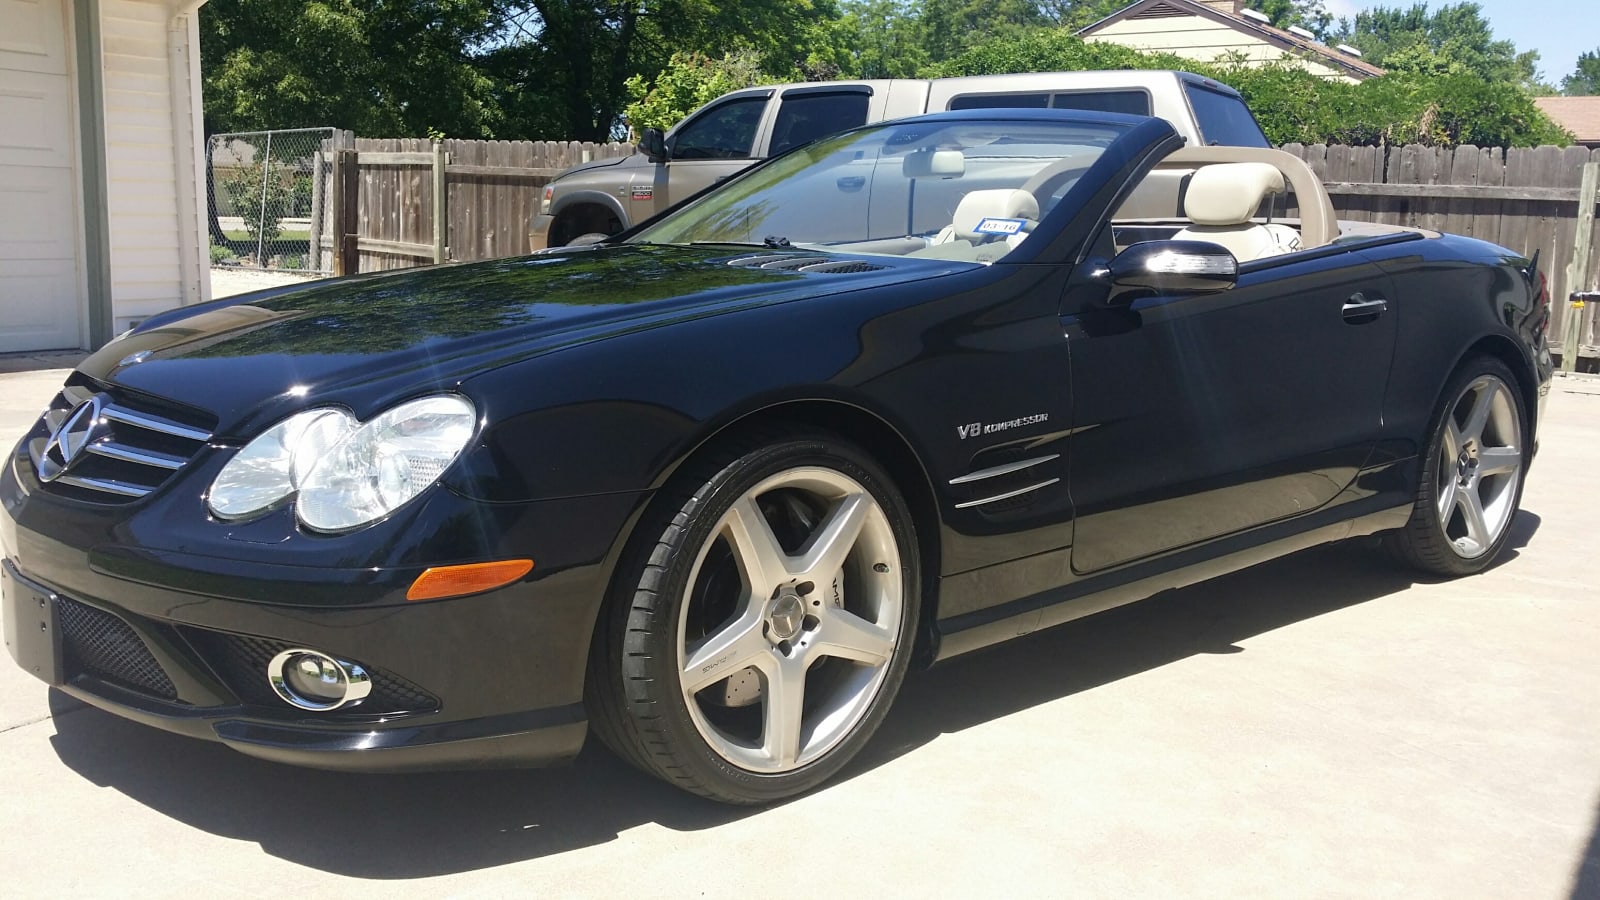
point(590, 197)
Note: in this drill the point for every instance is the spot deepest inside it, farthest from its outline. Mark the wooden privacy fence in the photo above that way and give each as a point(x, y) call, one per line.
point(388, 211)
point(396, 203)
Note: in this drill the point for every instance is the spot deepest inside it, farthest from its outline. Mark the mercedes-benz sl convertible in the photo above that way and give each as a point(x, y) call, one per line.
point(709, 488)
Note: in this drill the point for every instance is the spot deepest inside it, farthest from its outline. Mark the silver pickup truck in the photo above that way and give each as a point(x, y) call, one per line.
point(739, 128)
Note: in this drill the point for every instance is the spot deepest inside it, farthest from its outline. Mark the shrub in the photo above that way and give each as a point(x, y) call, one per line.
point(221, 255)
point(260, 195)
point(1294, 105)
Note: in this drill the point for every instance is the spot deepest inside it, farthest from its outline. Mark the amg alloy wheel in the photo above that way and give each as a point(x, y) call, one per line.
point(1471, 481)
point(769, 628)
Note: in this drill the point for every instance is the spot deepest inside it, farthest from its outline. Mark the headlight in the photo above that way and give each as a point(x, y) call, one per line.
point(270, 468)
point(385, 462)
point(341, 473)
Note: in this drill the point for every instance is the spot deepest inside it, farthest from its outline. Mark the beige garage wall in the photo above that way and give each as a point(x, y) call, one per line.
point(150, 62)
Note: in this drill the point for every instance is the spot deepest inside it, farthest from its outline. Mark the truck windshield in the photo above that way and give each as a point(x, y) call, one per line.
point(957, 189)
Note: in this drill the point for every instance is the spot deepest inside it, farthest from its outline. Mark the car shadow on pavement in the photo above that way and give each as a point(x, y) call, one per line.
point(411, 826)
point(1209, 617)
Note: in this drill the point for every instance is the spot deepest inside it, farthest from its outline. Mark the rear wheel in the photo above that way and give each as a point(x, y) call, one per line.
point(765, 622)
point(1471, 478)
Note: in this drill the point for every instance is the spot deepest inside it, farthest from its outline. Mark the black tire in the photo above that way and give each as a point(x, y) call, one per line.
point(635, 692)
point(1438, 544)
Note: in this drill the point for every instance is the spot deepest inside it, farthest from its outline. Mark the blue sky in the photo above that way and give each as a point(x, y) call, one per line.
point(1558, 29)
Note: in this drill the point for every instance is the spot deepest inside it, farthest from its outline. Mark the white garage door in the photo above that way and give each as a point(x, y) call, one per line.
point(39, 293)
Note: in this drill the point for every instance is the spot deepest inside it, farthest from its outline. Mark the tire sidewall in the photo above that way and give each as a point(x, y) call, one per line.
point(1425, 516)
point(657, 638)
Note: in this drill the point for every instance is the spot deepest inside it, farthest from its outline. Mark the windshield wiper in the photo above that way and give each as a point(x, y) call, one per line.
point(771, 242)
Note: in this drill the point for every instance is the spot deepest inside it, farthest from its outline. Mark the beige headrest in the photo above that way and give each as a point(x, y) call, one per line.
point(1000, 203)
point(1230, 193)
point(926, 162)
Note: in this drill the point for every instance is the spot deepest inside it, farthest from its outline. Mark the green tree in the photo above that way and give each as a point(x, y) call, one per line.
point(380, 67)
point(581, 54)
point(1308, 14)
point(689, 81)
point(260, 198)
point(1451, 39)
point(1585, 79)
point(877, 39)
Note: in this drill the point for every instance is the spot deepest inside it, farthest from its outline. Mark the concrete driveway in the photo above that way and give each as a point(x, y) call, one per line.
point(1317, 726)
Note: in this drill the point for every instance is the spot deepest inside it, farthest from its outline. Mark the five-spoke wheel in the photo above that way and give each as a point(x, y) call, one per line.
point(769, 625)
point(1472, 476)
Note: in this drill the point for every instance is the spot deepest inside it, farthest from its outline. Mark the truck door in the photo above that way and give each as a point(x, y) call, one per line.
point(718, 142)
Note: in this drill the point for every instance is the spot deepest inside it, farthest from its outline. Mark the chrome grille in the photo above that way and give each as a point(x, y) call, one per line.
point(107, 447)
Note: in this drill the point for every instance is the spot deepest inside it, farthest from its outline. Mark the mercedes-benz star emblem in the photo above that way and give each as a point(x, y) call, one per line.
point(69, 439)
point(133, 359)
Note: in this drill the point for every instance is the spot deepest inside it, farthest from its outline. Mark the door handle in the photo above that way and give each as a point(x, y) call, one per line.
point(1360, 308)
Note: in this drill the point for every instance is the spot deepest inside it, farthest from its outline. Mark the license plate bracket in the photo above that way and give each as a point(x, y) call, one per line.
point(32, 625)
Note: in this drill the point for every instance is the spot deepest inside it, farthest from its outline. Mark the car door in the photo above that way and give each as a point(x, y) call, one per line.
point(1200, 416)
point(718, 142)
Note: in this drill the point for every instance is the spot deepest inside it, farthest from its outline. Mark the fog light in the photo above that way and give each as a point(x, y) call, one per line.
point(316, 681)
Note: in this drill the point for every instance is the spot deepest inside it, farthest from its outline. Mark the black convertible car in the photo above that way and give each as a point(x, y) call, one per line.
point(710, 487)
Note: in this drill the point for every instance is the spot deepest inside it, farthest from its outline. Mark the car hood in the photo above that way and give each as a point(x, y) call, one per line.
point(252, 359)
point(632, 161)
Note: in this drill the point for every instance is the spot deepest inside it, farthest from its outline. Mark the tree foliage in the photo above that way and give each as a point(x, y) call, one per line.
point(397, 67)
point(689, 81)
point(1585, 79)
point(1450, 40)
point(1311, 15)
point(562, 69)
point(1292, 104)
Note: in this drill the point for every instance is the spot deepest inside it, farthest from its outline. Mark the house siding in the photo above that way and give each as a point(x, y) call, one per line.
point(149, 152)
point(1203, 40)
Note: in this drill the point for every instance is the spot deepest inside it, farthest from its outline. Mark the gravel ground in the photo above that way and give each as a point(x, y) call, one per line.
point(227, 281)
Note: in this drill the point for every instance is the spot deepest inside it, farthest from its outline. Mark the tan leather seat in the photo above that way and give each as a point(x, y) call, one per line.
point(999, 203)
point(1221, 200)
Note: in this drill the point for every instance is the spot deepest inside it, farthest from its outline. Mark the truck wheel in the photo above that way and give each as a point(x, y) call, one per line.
point(583, 222)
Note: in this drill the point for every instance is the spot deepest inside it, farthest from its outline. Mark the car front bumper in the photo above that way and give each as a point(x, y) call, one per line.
point(164, 637)
point(539, 233)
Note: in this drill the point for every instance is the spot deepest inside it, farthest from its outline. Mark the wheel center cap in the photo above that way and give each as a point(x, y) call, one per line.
point(785, 617)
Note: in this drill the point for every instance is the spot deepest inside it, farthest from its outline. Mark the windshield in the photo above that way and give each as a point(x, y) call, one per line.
point(971, 190)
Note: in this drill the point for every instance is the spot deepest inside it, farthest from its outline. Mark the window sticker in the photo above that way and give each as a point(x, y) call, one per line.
point(989, 225)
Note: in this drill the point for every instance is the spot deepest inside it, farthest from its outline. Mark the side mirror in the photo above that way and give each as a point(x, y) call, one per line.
point(1174, 267)
point(654, 144)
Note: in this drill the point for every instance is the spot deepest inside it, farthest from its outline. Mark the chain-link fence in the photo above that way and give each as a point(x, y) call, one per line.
point(267, 198)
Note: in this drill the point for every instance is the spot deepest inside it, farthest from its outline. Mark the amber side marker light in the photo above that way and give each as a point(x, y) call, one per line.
point(453, 581)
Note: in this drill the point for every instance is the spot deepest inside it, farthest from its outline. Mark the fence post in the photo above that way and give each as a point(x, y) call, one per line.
point(441, 224)
point(1578, 269)
point(261, 213)
point(346, 212)
point(319, 218)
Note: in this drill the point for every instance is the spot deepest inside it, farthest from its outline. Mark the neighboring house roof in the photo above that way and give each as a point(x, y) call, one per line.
point(1579, 115)
point(1227, 12)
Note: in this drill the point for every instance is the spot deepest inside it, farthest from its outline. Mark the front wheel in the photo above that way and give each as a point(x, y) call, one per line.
point(763, 622)
point(1471, 480)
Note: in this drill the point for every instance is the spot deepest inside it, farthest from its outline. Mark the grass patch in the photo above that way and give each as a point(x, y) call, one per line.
point(242, 235)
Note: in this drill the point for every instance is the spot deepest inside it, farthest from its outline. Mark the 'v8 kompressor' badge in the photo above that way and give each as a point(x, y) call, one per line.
point(68, 440)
